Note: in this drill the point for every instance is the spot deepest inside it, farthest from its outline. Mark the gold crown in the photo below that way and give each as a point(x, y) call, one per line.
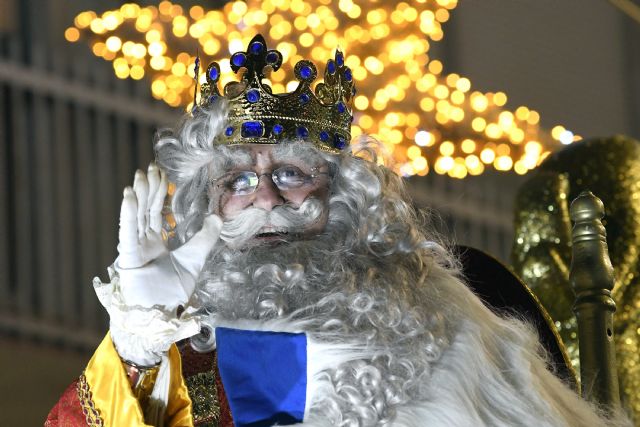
point(257, 115)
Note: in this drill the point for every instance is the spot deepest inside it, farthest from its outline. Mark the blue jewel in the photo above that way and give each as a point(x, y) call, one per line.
point(213, 73)
point(341, 107)
point(238, 59)
point(339, 59)
point(305, 72)
point(229, 131)
point(302, 132)
point(272, 57)
point(324, 136)
point(252, 129)
point(277, 129)
point(347, 75)
point(304, 98)
point(256, 48)
point(331, 66)
point(253, 96)
point(339, 141)
point(213, 98)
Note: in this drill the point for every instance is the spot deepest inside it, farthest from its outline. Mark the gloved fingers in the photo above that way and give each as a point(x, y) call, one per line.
point(193, 254)
point(141, 188)
point(155, 210)
point(153, 176)
point(128, 233)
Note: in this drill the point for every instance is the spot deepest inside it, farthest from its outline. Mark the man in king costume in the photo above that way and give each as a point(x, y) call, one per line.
point(301, 288)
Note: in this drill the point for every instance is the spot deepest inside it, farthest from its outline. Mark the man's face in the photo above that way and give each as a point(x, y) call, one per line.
point(297, 178)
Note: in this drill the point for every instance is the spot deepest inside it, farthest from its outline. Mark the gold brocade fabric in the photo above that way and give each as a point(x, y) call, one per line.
point(91, 414)
point(541, 255)
point(204, 396)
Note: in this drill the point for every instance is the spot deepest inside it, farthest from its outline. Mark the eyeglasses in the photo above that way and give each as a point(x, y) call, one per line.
point(286, 178)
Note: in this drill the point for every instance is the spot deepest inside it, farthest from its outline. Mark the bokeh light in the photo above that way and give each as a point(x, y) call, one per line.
point(427, 119)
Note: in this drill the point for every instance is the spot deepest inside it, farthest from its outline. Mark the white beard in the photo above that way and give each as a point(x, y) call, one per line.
point(394, 346)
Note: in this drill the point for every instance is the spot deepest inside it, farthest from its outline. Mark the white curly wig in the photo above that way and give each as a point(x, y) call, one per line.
point(410, 344)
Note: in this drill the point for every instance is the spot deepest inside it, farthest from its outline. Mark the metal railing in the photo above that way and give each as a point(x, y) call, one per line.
point(476, 211)
point(71, 136)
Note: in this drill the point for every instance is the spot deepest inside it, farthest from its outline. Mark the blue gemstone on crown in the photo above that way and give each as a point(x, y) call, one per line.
point(302, 132)
point(213, 73)
point(304, 98)
point(339, 59)
point(256, 48)
point(341, 107)
point(339, 141)
point(277, 129)
point(212, 98)
point(331, 66)
point(253, 96)
point(306, 72)
point(347, 75)
point(254, 129)
point(324, 136)
point(239, 59)
point(272, 57)
point(229, 131)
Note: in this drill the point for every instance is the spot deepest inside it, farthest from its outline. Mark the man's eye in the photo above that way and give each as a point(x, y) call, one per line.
point(242, 183)
point(290, 176)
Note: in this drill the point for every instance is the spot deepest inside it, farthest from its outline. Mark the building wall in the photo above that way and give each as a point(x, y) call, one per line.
point(575, 61)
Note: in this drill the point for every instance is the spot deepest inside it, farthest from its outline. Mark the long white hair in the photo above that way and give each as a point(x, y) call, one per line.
point(417, 347)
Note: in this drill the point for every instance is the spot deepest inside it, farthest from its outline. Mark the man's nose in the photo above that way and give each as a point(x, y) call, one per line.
point(267, 196)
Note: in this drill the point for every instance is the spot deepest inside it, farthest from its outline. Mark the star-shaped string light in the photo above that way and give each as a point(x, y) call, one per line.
point(426, 119)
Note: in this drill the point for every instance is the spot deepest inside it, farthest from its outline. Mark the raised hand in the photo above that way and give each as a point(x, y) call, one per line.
point(150, 274)
point(141, 219)
point(148, 282)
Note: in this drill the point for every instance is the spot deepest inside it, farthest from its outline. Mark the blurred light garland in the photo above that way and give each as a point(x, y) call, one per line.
point(427, 120)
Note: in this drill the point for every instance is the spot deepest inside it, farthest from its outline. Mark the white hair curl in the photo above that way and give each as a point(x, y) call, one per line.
point(423, 348)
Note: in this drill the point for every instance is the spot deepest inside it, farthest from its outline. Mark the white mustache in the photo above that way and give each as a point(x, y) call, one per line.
point(282, 219)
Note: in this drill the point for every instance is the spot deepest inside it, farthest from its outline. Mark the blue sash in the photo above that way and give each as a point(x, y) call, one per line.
point(264, 375)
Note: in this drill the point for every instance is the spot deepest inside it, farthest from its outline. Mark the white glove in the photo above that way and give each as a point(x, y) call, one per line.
point(148, 282)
